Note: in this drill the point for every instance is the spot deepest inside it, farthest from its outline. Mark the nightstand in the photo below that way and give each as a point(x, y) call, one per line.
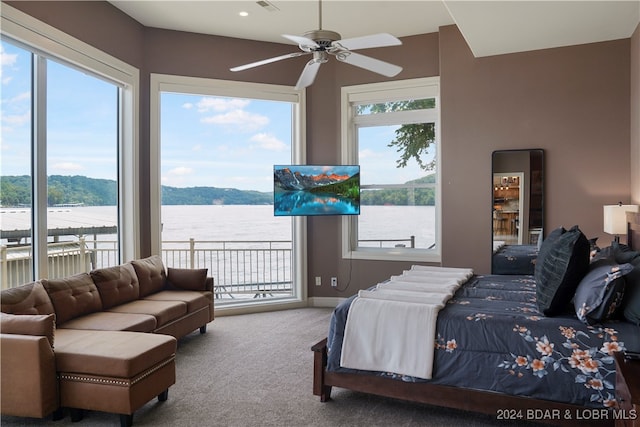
point(627, 391)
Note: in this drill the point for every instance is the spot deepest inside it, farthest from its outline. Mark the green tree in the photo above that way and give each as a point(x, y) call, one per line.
point(412, 141)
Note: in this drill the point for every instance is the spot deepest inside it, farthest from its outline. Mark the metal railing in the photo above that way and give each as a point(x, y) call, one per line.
point(240, 269)
point(397, 243)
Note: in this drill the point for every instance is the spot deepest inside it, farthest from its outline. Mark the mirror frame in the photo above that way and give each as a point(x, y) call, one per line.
point(536, 178)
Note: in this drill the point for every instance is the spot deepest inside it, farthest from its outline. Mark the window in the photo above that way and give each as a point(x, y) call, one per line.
point(217, 144)
point(68, 143)
point(391, 130)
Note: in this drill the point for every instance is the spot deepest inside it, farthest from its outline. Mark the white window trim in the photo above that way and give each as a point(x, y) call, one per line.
point(202, 86)
point(428, 87)
point(52, 42)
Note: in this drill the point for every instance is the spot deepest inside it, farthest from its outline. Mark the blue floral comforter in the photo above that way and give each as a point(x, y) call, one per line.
point(490, 336)
point(514, 259)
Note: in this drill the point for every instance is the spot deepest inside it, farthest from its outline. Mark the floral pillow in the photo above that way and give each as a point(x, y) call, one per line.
point(618, 253)
point(599, 295)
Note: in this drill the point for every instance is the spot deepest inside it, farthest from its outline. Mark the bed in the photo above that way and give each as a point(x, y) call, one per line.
point(508, 360)
point(514, 259)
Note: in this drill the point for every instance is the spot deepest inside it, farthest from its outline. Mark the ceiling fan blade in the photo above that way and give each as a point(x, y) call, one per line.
point(366, 42)
point(368, 63)
point(308, 74)
point(268, 61)
point(301, 41)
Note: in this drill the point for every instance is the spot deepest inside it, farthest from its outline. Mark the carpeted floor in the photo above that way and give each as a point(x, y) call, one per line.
point(256, 370)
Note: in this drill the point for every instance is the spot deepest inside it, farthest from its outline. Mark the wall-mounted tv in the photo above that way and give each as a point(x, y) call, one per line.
point(316, 190)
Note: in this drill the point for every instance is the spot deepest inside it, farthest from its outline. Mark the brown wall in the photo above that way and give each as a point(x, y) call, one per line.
point(94, 22)
point(635, 116)
point(418, 56)
point(573, 102)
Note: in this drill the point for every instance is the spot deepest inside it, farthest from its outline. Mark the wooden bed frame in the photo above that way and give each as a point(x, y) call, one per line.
point(500, 405)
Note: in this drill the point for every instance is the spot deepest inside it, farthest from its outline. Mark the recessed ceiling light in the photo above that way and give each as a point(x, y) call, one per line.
point(243, 13)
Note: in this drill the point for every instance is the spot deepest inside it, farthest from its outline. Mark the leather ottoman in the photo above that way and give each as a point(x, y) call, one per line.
point(113, 371)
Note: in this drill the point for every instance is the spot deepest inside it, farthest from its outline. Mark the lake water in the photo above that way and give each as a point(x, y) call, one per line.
point(230, 223)
point(233, 222)
point(240, 223)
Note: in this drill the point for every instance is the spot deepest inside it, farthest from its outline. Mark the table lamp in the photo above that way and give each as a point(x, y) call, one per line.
point(615, 219)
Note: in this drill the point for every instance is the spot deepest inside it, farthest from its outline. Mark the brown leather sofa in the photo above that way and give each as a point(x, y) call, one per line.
point(103, 340)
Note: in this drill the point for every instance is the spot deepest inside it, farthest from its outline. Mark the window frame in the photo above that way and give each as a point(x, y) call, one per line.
point(428, 87)
point(225, 88)
point(49, 42)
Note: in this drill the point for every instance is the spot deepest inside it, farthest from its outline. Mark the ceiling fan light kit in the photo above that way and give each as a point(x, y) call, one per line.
point(321, 43)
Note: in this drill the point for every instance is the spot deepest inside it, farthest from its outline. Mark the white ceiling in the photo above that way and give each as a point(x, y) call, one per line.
point(489, 27)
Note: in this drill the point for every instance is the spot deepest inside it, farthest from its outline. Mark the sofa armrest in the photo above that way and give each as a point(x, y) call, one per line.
point(191, 279)
point(28, 384)
point(208, 286)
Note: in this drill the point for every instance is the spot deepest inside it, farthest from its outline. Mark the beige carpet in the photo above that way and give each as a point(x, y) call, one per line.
point(256, 370)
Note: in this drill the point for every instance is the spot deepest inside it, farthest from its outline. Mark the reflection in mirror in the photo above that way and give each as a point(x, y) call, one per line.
point(517, 209)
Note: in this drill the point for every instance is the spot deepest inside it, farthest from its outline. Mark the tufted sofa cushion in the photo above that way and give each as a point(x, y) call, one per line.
point(151, 274)
point(117, 285)
point(73, 296)
point(31, 298)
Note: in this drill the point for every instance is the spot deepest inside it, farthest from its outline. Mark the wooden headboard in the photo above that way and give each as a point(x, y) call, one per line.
point(633, 230)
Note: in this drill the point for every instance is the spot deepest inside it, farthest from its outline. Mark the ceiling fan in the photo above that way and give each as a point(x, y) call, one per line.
point(321, 43)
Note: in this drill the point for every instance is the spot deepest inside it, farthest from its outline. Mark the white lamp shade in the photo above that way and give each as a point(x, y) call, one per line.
point(615, 218)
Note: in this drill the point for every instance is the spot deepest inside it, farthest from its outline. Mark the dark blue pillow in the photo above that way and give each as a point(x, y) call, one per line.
point(618, 253)
point(599, 294)
point(562, 262)
point(631, 303)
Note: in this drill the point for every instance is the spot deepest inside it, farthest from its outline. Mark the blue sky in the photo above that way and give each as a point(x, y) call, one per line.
point(223, 142)
point(205, 141)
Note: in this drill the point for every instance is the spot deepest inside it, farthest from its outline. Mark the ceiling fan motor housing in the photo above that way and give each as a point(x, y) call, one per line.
point(323, 38)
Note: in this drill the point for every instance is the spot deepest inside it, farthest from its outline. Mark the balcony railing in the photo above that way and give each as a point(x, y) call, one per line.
point(241, 269)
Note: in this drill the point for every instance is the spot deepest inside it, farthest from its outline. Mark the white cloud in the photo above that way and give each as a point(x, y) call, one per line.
point(18, 103)
point(187, 105)
point(197, 147)
point(221, 104)
point(67, 167)
point(369, 154)
point(180, 171)
point(24, 96)
point(239, 118)
point(7, 58)
point(17, 119)
point(268, 142)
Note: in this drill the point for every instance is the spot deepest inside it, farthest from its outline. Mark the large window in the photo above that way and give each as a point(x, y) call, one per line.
point(218, 142)
point(67, 134)
point(391, 130)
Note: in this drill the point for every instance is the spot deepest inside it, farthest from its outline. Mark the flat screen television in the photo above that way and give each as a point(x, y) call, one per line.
point(316, 190)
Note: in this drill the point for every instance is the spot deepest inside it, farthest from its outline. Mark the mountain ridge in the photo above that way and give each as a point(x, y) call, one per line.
point(78, 189)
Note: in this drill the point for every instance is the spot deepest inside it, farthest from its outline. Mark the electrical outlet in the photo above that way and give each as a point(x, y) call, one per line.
point(318, 281)
point(334, 282)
